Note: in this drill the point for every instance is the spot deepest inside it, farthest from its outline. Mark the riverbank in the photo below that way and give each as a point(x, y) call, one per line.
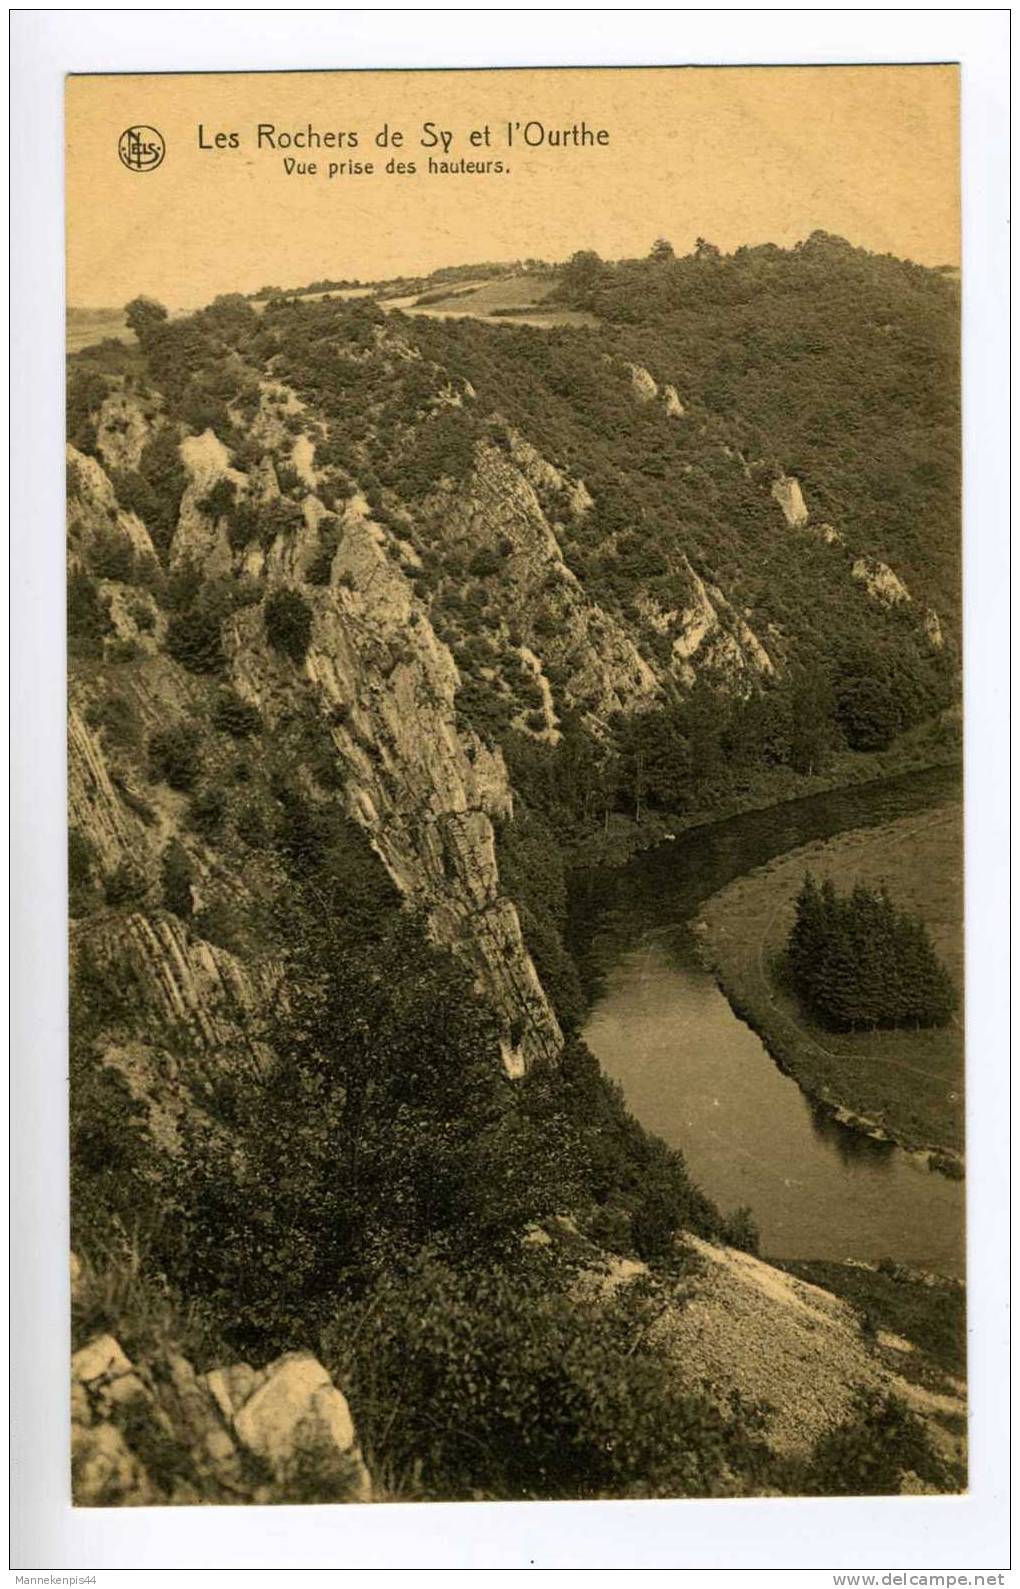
point(900, 1086)
point(933, 744)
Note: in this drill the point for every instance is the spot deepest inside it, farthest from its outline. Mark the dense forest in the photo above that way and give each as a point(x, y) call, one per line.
point(374, 621)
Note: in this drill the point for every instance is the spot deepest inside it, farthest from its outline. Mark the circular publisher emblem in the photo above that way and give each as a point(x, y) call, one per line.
point(141, 148)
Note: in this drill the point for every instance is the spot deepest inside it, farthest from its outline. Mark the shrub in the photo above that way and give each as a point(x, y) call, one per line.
point(193, 640)
point(242, 526)
point(81, 856)
point(869, 1452)
point(221, 499)
point(154, 492)
point(88, 617)
point(509, 1387)
point(484, 563)
point(234, 716)
point(175, 756)
point(207, 812)
point(117, 716)
point(126, 885)
point(321, 566)
point(112, 556)
point(288, 621)
point(175, 878)
point(740, 1229)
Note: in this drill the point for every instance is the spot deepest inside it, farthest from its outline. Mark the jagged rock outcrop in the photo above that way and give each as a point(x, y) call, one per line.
point(671, 402)
point(787, 492)
point(425, 791)
point(646, 388)
point(709, 628)
point(499, 509)
point(880, 582)
point(156, 1433)
point(544, 476)
point(179, 984)
point(201, 537)
point(93, 511)
point(933, 629)
point(124, 424)
point(94, 807)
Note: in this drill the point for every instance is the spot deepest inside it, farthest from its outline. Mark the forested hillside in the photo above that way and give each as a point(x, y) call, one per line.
point(375, 622)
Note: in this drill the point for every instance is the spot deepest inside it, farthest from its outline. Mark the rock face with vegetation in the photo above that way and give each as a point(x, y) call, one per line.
point(375, 623)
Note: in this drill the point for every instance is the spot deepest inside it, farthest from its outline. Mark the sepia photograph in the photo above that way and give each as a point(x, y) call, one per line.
point(515, 796)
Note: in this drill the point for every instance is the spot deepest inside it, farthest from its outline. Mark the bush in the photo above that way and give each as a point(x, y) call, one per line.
point(288, 621)
point(112, 556)
point(484, 563)
point(193, 640)
point(175, 878)
point(207, 812)
point(869, 1452)
point(88, 617)
point(242, 526)
point(509, 1387)
point(126, 885)
point(221, 499)
point(740, 1229)
point(175, 756)
point(81, 857)
point(234, 716)
point(117, 717)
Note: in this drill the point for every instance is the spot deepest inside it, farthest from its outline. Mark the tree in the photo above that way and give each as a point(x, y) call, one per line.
point(384, 1124)
point(582, 274)
point(857, 961)
point(662, 251)
point(143, 315)
point(288, 620)
point(867, 713)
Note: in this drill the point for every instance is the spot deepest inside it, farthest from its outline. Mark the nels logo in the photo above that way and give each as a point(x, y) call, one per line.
point(141, 148)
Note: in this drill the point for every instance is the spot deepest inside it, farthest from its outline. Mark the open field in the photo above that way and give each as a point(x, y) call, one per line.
point(84, 327)
point(907, 1085)
point(511, 300)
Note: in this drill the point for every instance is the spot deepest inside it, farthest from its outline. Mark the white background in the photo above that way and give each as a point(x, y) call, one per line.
point(934, 1534)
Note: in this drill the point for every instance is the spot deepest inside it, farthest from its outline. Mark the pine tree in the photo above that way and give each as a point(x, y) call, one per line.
point(855, 961)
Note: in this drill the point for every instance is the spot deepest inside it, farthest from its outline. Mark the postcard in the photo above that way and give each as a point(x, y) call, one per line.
point(514, 785)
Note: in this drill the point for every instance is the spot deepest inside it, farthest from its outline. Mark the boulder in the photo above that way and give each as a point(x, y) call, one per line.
point(298, 1417)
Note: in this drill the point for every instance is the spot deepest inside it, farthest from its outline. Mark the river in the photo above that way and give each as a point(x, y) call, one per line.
point(697, 1076)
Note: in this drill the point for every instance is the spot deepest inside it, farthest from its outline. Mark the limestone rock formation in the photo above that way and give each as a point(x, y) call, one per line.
point(730, 647)
point(880, 582)
point(787, 492)
point(156, 1433)
point(646, 388)
point(93, 511)
point(124, 424)
point(428, 791)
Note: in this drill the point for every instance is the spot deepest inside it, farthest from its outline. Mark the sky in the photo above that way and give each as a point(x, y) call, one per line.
point(734, 155)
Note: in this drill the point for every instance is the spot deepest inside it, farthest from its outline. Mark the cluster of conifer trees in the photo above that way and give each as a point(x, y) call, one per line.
point(857, 961)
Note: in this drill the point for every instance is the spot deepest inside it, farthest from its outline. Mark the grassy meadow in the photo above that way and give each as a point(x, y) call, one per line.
point(907, 1083)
